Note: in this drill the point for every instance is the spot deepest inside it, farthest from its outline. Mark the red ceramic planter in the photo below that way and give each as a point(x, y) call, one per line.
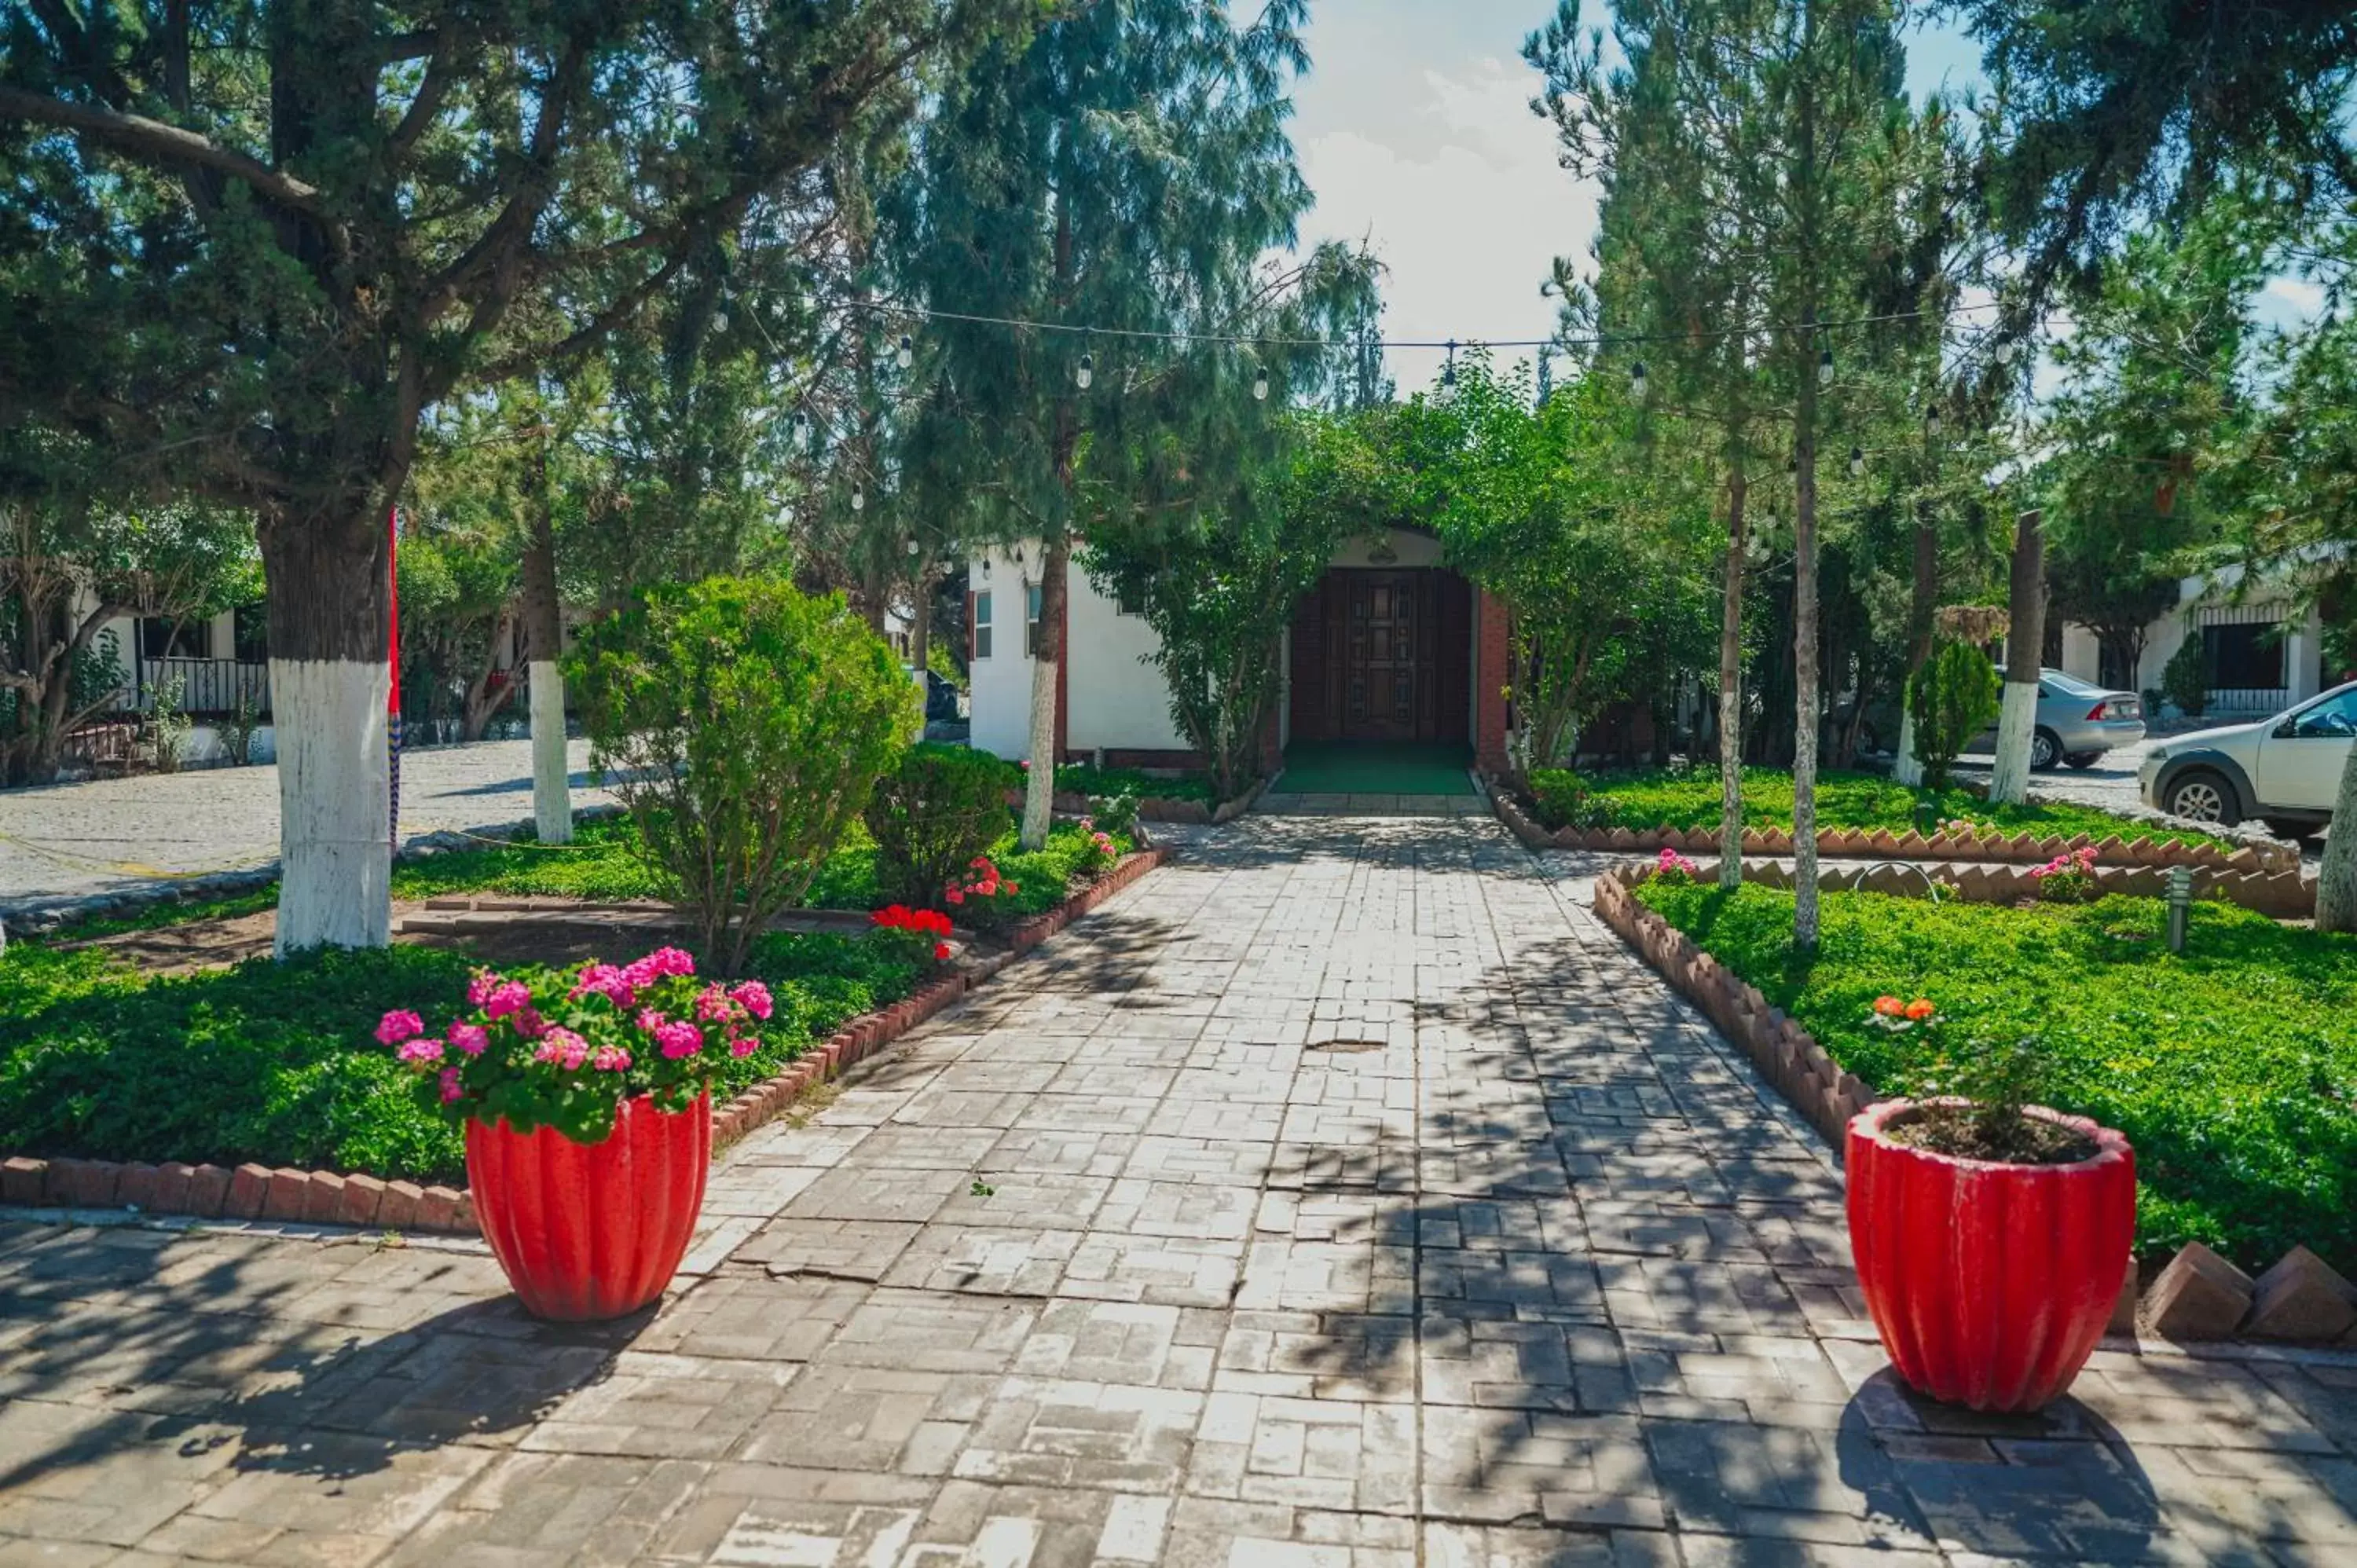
point(592, 1230)
point(1990, 1284)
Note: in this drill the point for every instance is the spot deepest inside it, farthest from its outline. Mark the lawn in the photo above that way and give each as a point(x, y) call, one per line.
point(2233, 1068)
point(1687, 799)
point(277, 1063)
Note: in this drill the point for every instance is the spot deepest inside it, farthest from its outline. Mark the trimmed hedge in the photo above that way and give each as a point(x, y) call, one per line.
point(2233, 1068)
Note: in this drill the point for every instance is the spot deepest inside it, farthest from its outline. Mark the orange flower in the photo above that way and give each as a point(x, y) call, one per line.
point(1889, 1006)
point(1921, 1008)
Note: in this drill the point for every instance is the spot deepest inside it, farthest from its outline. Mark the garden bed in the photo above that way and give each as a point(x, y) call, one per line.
point(1864, 817)
point(268, 1072)
point(2232, 1068)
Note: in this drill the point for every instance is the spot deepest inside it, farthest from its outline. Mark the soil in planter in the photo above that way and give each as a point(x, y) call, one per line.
point(1963, 1133)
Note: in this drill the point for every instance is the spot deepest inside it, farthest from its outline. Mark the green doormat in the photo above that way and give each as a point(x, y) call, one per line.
point(1374, 767)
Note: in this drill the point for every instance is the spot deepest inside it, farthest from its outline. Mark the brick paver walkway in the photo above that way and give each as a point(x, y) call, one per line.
point(1344, 1196)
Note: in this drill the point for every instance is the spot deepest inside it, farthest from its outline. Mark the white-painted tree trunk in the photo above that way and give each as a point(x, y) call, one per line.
point(1909, 768)
point(335, 795)
point(2017, 725)
point(551, 791)
point(1039, 786)
point(2336, 886)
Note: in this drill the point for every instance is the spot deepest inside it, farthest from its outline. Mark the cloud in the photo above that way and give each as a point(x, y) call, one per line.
point(1454, 181)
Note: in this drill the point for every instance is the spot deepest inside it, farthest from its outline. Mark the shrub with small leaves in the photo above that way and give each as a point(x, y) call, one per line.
point(931, 815)
point(1564, 800)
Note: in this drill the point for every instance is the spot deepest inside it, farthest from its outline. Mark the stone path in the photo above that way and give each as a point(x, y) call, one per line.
point(1342, 1197)
point(225, 819)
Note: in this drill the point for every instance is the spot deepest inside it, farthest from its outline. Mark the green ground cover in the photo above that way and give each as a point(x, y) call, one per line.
point(2233, 1068)
point(277, 1063)
point(1081, 778)
point(1688, 798)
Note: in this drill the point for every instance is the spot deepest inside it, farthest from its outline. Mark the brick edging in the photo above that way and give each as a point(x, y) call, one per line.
point(2284, 895)
point(329, 1198)
point(2197, 1296)
point(1881, 844)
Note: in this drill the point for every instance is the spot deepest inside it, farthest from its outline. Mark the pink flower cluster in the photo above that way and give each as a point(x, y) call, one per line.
point(603, 1019)
point(2076, 862)
point(985, 883)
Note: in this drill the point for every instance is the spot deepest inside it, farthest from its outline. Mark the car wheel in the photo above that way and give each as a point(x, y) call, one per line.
point(2045, 750)
point(2204, 797)
point(2084, 759)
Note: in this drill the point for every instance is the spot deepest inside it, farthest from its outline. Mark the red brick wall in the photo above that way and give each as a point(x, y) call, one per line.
point(1492, 658)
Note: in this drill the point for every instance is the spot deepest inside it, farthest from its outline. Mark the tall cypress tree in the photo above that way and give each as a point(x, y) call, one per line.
point(248, 245)
point(1113, 182)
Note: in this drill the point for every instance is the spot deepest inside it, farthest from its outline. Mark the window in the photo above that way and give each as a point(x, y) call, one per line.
point(1031, 596)
point(2335, 718)
point(2248, 658)
point(162, 637)
point(982, 625)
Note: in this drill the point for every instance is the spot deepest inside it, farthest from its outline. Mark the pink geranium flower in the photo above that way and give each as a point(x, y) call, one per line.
point(420, 1051)
point(398, 1025)
point(611, 1059)
point(562, 1047)
point(754, 997)
point(508, 997)
point(451, 1089)
point(470, 1037)
point(679, 1039)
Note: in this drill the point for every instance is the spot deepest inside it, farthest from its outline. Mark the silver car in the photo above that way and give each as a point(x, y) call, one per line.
point(2077, 722)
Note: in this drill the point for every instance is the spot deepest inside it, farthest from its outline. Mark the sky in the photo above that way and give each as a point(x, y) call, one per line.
point(1415, 129)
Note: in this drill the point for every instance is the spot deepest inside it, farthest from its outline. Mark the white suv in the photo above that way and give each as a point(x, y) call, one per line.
point(2286, 771)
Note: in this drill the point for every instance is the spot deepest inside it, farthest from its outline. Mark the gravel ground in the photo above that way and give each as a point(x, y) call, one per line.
point(114, 835)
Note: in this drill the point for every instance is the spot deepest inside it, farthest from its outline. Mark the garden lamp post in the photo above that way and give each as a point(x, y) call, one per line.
point(2180, 906)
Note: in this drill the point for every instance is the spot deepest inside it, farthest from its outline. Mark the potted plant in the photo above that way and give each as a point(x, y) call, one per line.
point(586, 1100)
point(1990, 1235)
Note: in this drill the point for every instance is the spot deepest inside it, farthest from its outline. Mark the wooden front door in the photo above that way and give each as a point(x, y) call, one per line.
point(1384, 647)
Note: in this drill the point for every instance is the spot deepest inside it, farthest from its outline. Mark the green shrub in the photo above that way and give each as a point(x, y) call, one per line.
point(1566, 801)
point(1954, 697)
point(2231, 1067)
point(2185, 679)
point(743, 723)
point(932, 814)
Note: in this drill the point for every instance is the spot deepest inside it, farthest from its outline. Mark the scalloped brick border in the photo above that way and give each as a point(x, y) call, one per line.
point(331, 1197)
point(2198, 1296)
point(1883, 844)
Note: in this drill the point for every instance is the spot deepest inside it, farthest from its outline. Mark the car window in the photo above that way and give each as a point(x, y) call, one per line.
point(2058, 684)
point(2335, 718)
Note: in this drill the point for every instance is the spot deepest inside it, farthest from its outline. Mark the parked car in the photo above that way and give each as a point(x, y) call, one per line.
point(2077, 723)
point(2285, 770)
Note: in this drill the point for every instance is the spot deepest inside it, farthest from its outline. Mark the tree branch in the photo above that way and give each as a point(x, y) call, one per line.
point(166, 147)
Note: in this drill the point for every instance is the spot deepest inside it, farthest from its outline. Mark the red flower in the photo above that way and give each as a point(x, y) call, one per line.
point(1921, 1008)
point(1889, 1006)
point(940, 952)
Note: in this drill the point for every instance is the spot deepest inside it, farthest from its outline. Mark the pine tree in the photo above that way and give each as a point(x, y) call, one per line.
point(1116, 177)
point(248, 245)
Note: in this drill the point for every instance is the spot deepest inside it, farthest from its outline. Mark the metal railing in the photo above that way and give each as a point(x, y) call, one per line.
point(209, 687)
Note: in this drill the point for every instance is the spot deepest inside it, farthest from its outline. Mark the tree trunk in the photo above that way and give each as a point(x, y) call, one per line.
point(2025, 644)
point(544, 632)
point(1039, 790)
point(2336, 886)
point(1805, 701)
point(1730, 690)
point(331, 608)
point(1909, 768)
point(920, 625)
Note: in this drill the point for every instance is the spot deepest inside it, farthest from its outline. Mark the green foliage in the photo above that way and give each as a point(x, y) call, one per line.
point(939, 809)
point(1565, 801)
point(2185, 679)
point(1098, 783)
point(1042, 878)
point(277, 1063)
point(2233, 1068)
point(744, 723)
point(1954, 694)
point(1686, 799)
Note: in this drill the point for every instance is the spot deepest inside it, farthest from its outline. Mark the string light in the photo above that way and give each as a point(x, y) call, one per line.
point(858, 499)
point(906, 355)
point(1932, 420)
point(1448, 371)
point(1857, 462)
point(1825, 368)
point(1637, 381)
point(911, 547)
point(2006, 350)
point(1084, 374)
point(1260, 387)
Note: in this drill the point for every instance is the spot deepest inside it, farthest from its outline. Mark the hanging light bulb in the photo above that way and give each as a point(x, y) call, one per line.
point(906, 355)
point(720, 322)
point(802, 425)
point(1932, 420)
point(858, 499)
point(1637, 381)
point(2006, 350)
point(911, 547)
point(1825, 368)
point(1449, 370)
point(1019, 556)
point(1084, 375)
point(1857, 462)
point(1260, 387)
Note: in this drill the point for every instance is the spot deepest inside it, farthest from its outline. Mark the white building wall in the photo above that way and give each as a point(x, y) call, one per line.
point(1113, 698)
